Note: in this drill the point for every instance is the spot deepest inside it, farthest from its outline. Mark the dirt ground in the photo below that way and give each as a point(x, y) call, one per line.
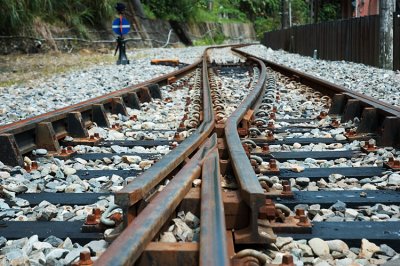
point(21, 68)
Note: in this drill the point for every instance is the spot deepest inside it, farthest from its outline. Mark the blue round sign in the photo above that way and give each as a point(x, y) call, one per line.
point(121, 26)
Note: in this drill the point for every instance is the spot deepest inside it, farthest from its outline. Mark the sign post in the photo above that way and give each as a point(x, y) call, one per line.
point(121, 27)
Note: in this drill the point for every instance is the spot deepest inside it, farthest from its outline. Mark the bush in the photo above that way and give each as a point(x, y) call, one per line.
point(18, 15)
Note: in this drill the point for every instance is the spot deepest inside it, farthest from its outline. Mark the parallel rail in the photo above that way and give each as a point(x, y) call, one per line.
point(246, 211)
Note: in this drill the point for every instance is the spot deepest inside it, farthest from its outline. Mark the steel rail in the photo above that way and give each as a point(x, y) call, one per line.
point(327, 87)
point(251, 190)
point(127, 248)
point(22, 137)
point(140, 186)
point(213, 246)
point(29, 123)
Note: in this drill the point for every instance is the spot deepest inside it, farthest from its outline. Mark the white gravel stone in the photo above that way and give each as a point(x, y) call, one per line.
point(319, 247)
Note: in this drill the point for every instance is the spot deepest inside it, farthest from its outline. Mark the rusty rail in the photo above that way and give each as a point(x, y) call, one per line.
point(213, 246)
point(350, 104)
point(127, 248)
point(251, 190)
point(22, 137)
point(140, 186)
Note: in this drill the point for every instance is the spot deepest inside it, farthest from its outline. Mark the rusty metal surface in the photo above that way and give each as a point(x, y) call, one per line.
point(158, 253)
point(331, 88)
point(140, 186)
point(213, 246)
point(126, 249)
point(251, 190)
point(86, 105)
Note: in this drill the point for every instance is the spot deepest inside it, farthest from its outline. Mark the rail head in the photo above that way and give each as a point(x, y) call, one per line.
point(251, 189)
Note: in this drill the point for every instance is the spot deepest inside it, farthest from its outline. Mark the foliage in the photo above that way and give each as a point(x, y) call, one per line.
point(214, 39)
point(329, 11)
point(77, 14)
point(148, 13)
point(179, 10)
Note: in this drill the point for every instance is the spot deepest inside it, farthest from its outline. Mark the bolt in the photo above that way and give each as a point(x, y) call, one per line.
point(278, 97)
point(287, 190)
point(272, 116)
point(97, 213)
point(177, 136)
point(299, 212)
point(85, 259)
point(64, 151)
point(270, 136)
point(27, 167)
point(265, 148)
point(322, 115)
point(91, 137)
point(70, 149)
point(303, 221)
point(335, 123)
point(91, 220)
point(34, 165)
point(116, 217)
point(270, 125)
point(287, 260)
point(133, 118)
point(97, 135)
point(272, 165)
point(274, 109)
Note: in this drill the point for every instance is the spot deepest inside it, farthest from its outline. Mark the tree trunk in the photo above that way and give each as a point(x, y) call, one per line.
point(386, 9)
point(137, 8)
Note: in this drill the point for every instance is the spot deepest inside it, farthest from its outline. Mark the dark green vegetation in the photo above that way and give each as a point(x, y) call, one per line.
point(21, 16)
point(265, 14)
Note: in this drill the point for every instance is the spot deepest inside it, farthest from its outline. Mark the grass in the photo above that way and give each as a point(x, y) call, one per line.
point(21, 69)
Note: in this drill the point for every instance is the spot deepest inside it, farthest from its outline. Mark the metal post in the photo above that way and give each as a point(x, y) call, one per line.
point(290, 13)
point(122, 58)
point(386, 9)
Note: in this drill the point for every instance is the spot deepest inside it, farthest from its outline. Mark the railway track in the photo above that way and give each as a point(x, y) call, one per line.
point(254, 157)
